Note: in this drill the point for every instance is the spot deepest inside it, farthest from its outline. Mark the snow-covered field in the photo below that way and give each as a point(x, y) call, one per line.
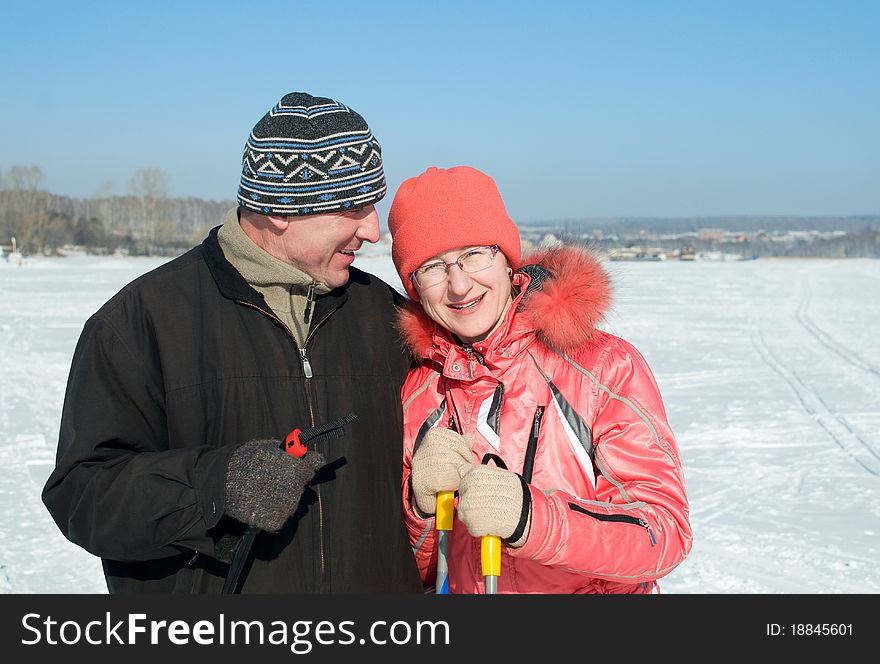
point(770, 371)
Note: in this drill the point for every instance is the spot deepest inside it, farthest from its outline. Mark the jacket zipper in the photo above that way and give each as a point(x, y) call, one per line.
point(307, 316)
point(307, 367)
point(623, 518)
point(470, 358)
point(532, 447)
point(307, 370)
point(473, 355)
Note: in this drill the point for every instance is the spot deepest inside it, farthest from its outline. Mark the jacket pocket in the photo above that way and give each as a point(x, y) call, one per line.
point(201, 575)
point(621, 518)
point(185, 578)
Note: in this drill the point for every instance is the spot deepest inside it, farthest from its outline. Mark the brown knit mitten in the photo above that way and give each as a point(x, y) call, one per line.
point(264, 484)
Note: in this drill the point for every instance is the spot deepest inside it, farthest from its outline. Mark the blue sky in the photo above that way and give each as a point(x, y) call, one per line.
point(577, 109)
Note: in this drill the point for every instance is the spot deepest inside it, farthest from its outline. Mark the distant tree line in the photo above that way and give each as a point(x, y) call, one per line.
point(144, 221)
point(864, 243)
point(855, 237)
point(628, 226)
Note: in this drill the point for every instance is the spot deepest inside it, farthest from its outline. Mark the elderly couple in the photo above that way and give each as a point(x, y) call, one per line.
point(260, 407)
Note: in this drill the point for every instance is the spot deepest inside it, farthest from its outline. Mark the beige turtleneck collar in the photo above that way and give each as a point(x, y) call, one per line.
point(284, 287)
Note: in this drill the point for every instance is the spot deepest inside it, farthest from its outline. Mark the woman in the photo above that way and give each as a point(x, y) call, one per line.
point(552, 431)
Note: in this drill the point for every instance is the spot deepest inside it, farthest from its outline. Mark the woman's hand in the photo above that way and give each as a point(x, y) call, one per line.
point(437, 466)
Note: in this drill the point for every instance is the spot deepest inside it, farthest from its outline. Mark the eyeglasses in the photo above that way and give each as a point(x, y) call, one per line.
point(473, 260)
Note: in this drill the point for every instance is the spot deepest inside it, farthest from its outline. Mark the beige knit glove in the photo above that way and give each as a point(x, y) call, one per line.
point(435, 466)
point(494, 501)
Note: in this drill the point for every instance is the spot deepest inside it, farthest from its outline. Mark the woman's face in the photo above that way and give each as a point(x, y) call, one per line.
point(468, 304)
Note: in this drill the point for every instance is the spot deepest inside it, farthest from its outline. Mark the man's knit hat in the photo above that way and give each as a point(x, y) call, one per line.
point(310, 155)
point(442, 209)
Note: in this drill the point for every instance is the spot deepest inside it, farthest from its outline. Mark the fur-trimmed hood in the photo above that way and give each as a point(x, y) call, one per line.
point(562, 302)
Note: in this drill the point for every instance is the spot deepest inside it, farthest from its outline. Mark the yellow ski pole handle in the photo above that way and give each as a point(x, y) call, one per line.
point(490, 558)
point(443, 524)
point(445, 510)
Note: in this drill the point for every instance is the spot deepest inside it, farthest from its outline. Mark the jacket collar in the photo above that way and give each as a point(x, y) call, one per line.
point(229, 280)
point(233, 285)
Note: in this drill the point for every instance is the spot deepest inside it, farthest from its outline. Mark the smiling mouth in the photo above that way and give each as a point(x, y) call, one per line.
point(347, 252)
point(468, 305)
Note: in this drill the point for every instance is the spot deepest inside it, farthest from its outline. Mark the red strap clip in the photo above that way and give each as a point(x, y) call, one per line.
point(292, 445)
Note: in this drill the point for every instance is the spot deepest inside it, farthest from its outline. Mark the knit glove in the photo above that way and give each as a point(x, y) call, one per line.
point(264, 483)
point(494, 501)
point(435, 466)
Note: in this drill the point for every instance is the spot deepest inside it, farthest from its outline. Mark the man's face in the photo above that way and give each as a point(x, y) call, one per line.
point(323, 245)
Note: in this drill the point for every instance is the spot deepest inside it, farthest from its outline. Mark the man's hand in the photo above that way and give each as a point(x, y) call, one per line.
point(264, 484)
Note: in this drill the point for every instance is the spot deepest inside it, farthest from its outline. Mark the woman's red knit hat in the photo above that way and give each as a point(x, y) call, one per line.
point(442, 209)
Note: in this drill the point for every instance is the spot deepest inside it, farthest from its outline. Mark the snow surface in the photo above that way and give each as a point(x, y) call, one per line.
point(770, 372)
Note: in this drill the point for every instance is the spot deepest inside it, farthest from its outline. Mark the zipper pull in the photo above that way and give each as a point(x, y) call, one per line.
point(532, 445)
point(646, 525)
point(479, 356)
point(307, 367)
point(310, 304)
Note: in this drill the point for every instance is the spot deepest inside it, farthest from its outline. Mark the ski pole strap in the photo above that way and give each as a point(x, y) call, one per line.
point(294, 443)
point(493, 457)
point(242, 555)
point(524, 513)
point(331, 429)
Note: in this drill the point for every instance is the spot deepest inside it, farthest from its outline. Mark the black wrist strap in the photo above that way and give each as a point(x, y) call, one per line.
point(524, 515)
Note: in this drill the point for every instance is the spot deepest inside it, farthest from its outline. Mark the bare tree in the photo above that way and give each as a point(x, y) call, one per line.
point(150, 187)
point(25, 215)
point(103, 199)
point(25, 178)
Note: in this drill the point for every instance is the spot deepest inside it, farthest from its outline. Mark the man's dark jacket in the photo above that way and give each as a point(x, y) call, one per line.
point(186, 363)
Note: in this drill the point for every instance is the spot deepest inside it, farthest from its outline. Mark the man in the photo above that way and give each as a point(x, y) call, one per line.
point(184, 384)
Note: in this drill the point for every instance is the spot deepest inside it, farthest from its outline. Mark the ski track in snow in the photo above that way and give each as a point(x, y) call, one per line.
point(815, 406)
point(827, 340)
point(769, 372)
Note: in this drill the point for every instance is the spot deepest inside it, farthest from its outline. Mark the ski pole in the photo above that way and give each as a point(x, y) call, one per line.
point(490, 545)
point(443, 525)
point(293, 445)
point(490, 560)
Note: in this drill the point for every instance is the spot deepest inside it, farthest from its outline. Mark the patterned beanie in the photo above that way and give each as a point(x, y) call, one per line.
point(310, 155)
point(442, 209)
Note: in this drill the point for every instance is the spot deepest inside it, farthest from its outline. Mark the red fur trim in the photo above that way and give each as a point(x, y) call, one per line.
point(416, 328)
point(568, 307)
